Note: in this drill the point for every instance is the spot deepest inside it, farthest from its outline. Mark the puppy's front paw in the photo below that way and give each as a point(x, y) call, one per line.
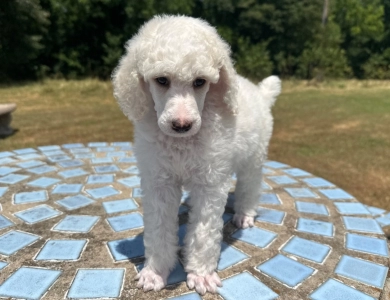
point(203, 284)
point(150, 280)
point(243, 221)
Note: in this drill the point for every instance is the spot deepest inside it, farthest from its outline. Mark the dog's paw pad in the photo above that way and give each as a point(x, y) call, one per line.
point(203, 284)
point(149, 280)
point(243, 221)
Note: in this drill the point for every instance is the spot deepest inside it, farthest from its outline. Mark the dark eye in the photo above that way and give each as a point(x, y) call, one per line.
point(199, 82)
point(162, 80)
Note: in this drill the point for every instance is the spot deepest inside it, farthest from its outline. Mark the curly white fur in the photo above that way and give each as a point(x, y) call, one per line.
point(230, 125)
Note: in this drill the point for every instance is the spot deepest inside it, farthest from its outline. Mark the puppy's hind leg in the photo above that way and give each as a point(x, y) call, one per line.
point(247, 194)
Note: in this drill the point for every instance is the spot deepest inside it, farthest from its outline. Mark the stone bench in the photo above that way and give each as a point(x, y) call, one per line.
point(6, 118)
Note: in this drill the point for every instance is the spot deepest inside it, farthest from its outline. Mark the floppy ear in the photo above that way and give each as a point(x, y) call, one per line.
point(129, 86)
point(226, 89)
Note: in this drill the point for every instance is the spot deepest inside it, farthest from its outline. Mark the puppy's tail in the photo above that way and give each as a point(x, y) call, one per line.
point(270, 88)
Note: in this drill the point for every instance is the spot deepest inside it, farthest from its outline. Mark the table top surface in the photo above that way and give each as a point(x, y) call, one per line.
point(71, 225)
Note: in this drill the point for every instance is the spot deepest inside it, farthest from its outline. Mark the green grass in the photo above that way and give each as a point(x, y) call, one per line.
point(338, 130)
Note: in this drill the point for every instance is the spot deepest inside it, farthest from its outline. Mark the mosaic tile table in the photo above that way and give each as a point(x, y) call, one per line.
point(71, 227)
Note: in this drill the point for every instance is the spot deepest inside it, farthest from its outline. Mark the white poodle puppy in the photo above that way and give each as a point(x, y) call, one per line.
point(196, 123)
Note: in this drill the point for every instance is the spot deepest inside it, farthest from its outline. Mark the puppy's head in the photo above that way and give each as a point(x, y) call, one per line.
point(172, 66)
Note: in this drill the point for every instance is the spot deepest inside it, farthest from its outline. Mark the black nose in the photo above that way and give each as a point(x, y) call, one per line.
point(181, 127)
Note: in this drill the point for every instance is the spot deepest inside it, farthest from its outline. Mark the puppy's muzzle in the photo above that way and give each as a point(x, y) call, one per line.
point(181, 127)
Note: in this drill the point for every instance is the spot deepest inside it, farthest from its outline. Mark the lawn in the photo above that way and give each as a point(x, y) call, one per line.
point(337, 130)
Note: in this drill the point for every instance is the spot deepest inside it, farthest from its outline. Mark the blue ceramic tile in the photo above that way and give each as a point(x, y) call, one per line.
point(4, 222)
point(126, 222)
point(383, 221)
point(362, 271)
point(3, 190)
point(13, 178)
point(75, 202)
point(7, 170)
point(72, 146)
point(336, 194)
point(105, 149)
point(351, 208)
point(97, 144)
point(61, 250)
point(102, 192)
point(286, 270)
point(42, 169)
point(129, 160)
point(307, 249)
point(116, 154)
point(132, 181)
point(270, 215)
point(132, 170)
point(49, 148)
point(6, 160)
point(296, 172)
point(67, 189)
point(317, 182)
point(29, 156)
point(245, 286)
point(267, 171)
point(100, 178)
point(362, 224)
point(3, 264)
point(121, 144)
point(79, 224)
point(283, 179)
point(183, 209)
point(13, 241)
point(84, 155)
point(226, 218)
point(53, 153)
point(29, 283)
point(189, 296)
point(126, 148)
point(72, 173)
point(112, 207)
point(80, 150)
point(268, 198)
point(137, 193)
point(101, 160)
point(30, 164)
point(366, 244)
point(301, 193)
point(255, 236)
point(335, 290)
point(128, 248)
point(43, 182)
point(375, 210)
point(97, 283)
point(37, 214)
point(311, 208)
point(106, 169)
point(177, 274)
point(315, 227)
point(229, 257)
point(59, 158)
point(25, 151)
point(6, 154)
point(182, 233)
point(71, 163)
point(30, 197)
point(275, 165)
